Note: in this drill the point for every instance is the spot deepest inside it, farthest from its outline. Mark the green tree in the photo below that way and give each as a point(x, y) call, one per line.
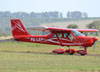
point(74, 26)
point(94, 25)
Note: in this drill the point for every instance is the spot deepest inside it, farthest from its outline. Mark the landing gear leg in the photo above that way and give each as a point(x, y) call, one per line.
point(62, 47)
point(70, 51)
point(85, 50)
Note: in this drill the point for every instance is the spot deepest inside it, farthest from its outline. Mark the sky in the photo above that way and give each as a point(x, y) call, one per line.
point(91, 7)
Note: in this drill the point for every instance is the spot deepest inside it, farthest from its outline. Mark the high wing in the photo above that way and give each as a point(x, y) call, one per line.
point(87, 30)
point(60, 29)
point(44, 28)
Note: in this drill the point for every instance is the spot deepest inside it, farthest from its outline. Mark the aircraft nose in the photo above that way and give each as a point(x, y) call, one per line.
point(95, 38)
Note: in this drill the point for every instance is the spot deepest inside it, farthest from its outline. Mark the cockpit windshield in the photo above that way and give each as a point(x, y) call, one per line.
point(76, 33)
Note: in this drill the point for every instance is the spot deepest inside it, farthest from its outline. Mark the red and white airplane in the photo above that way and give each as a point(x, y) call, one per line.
point(56, 36)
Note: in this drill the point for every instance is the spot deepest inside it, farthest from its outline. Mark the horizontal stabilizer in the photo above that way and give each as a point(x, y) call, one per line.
point(8, 40)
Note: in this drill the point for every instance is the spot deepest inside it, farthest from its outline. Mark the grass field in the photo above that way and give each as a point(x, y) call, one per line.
point(31, 57)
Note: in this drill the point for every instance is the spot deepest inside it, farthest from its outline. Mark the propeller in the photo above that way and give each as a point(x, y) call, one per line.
point(94, 45)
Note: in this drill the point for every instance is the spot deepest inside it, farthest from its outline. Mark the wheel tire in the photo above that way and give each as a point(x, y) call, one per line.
point(71, 53)
point(60, 53)
point(82, 54)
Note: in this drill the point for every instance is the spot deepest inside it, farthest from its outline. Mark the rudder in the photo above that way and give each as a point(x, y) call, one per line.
point(18, 28)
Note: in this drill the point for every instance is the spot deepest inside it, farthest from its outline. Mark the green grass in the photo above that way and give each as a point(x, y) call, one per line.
point(31, 57)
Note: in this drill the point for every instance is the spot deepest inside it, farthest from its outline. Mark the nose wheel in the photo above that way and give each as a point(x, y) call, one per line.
point(82, 52)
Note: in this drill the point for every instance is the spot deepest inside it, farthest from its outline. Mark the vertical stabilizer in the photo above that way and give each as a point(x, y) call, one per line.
point(18, 28)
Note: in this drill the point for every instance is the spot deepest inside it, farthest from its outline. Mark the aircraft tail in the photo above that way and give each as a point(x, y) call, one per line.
point(18, 28)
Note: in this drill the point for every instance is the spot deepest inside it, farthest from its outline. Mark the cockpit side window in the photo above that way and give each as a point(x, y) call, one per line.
point(68, 35)
point(54, 35)
point(58, 35)
point(71, 37)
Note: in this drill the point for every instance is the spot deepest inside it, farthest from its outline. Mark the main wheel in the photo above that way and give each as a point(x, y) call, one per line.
point(70, 51)
point(82, 52)
point(59, 51)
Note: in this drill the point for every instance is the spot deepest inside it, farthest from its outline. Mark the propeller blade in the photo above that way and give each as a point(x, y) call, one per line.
point(94, 45)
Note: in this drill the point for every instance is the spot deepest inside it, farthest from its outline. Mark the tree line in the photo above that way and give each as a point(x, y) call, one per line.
point(53, 14)
point(77, 14)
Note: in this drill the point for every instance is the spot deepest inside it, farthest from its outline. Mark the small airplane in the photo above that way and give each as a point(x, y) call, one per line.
point(56, 36)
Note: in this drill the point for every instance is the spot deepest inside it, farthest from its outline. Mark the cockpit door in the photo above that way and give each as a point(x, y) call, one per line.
point(69, 36)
